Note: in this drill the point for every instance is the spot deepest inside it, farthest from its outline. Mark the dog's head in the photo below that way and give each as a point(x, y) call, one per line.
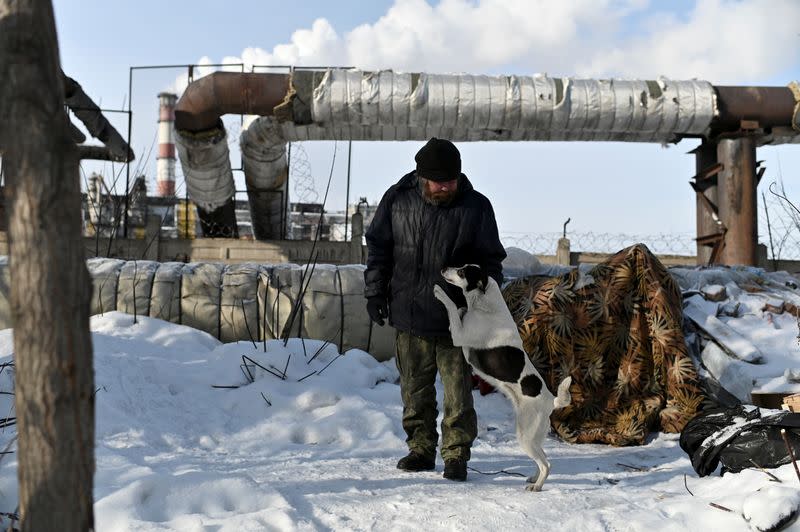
point(469, 277)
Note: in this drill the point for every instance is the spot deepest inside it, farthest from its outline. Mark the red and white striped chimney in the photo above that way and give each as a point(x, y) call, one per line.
point(165, 164)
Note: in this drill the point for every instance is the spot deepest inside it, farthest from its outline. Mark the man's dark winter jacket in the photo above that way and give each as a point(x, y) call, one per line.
point(410, 241)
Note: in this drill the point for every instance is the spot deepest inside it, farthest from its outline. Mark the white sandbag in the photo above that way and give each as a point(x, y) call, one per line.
point(323, 306)
point(135, 286)
point(165, 303)
point(239, 303)
point(105, 277)
point(357, 322)
point(200, 296)
point(282, 286)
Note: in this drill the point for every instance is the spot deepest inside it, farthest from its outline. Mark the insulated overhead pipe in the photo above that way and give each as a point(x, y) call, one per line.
point(203, 143)
point(768, 106)
point(205, 101)
point(340, 104)
point(208, 98)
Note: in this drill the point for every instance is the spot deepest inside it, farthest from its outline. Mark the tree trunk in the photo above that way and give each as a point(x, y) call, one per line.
point(50, 286)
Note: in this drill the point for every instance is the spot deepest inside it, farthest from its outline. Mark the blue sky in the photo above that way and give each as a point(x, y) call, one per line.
point(602, 187)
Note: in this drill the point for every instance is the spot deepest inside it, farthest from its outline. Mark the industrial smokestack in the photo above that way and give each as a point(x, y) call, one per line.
point(165, 176)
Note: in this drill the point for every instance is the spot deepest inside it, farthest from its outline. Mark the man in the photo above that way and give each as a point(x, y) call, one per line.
point(430, 219)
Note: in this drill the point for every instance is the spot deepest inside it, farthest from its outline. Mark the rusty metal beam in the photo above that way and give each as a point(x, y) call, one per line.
point(760, 174)
point(737, 200)
point(713, 244)
point(99, 153)
point(204, 101)
point(96, 123)
point(708, 172)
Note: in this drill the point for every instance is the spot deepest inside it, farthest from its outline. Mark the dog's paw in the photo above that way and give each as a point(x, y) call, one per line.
point(533, 487)
point(440, 294)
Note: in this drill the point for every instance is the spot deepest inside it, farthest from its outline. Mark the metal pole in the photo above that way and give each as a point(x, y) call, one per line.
point(128, 164)
point(705, 162)
point(738, 200)
point(285, 221)
point(347, 197)
point(186, 211)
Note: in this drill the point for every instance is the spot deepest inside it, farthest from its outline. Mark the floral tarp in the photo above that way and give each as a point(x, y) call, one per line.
point(619, 336)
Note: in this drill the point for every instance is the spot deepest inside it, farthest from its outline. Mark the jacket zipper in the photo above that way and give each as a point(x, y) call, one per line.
point(418, 273)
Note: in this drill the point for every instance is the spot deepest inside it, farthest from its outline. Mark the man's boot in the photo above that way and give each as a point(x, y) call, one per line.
point(455, 469)
point(416, 462)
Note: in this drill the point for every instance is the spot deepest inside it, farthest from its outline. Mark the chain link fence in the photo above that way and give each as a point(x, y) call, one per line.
point(787, 245)
point(545, 243)
point(778, 223)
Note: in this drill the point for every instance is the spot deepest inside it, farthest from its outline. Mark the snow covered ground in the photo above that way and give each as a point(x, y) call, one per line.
point(175, 453)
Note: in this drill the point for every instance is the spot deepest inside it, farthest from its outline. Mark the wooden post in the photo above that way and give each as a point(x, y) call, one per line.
point(50, 285)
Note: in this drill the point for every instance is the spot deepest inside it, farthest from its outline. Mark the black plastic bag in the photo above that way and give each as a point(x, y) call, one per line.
point(740, 437)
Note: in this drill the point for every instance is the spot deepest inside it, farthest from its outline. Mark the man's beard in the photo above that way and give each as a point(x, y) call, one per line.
point(436, 198)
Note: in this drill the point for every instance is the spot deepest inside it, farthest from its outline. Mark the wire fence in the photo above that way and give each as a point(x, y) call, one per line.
point(545, 243)
point(786, 246)
point(778, 223)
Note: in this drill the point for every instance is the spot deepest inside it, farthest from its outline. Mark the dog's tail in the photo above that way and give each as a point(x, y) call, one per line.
point(563, 398)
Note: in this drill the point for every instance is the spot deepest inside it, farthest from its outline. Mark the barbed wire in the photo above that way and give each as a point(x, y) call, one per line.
point(300, 176)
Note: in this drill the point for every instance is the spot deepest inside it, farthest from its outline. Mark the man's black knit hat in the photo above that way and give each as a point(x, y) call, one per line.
point(438, 160)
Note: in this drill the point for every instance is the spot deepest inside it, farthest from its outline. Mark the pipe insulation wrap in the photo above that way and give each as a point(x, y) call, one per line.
point(794, 86)
point(339, 104)
point(789, 134)
point(266, 169)
point(206, 163)
point(356, 105)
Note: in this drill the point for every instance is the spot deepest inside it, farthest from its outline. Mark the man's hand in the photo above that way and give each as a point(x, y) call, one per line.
point(378, 309)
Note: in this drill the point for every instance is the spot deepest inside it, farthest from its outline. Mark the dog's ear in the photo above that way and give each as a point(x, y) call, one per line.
point(476, 277)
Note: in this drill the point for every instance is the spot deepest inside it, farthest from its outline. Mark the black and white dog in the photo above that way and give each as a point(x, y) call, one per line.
point(486, 332)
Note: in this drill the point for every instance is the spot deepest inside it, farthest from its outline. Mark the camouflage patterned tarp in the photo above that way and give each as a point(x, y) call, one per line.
point(619, 336)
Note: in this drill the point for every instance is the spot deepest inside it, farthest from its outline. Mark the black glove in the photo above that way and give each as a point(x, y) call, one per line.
point(378, 309)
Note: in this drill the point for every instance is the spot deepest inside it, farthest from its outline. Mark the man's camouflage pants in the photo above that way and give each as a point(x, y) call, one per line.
point(418, 360)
